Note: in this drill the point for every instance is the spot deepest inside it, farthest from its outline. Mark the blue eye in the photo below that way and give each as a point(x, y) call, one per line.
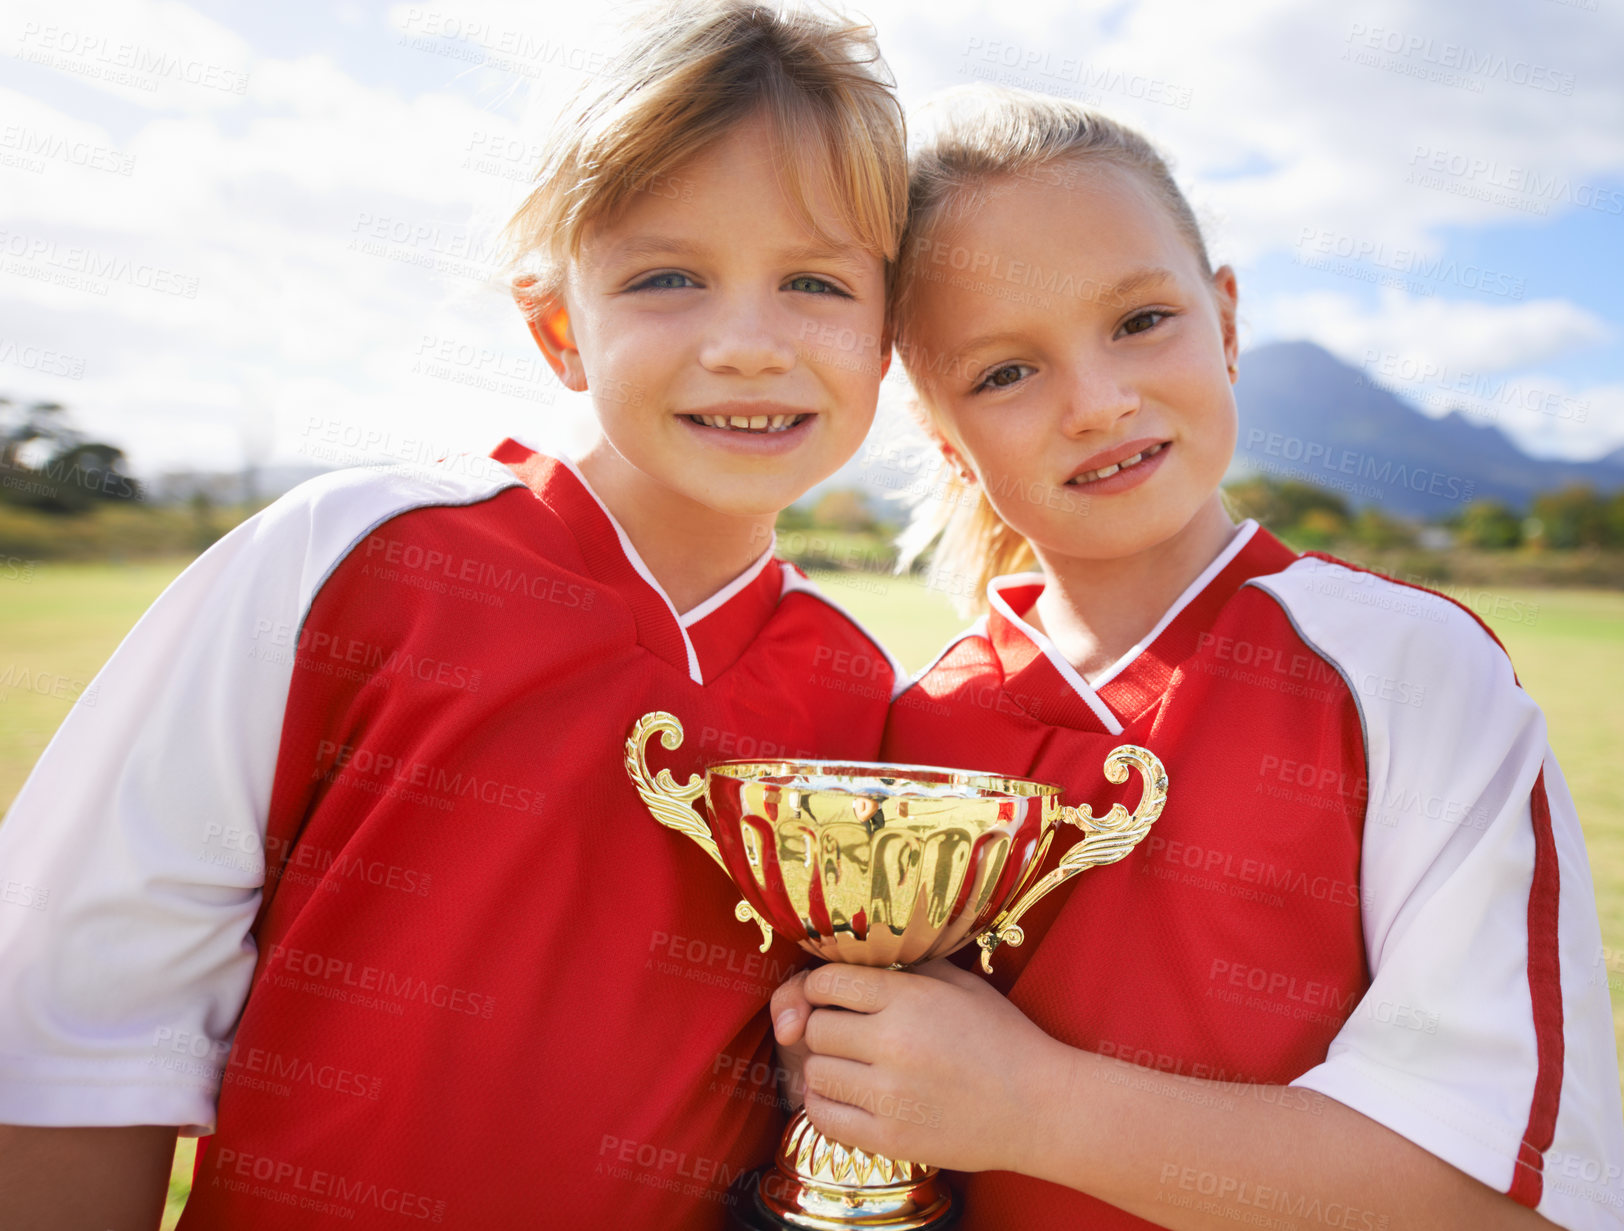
point(815, 286)
point(664, 282)
point(1004, 376)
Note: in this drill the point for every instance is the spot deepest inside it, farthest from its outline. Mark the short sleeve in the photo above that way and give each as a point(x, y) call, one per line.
point(131, 864)
point(1486, 1036)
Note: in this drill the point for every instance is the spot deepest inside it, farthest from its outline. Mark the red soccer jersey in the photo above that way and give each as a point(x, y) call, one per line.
point(1354, 886)
point(484, 987)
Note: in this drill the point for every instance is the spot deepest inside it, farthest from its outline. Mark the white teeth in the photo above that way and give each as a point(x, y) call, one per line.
point(751, 423)
point(1105, 472)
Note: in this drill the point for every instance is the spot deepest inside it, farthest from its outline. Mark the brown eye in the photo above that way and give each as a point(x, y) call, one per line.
point(1144, 322)
point(1003, 377)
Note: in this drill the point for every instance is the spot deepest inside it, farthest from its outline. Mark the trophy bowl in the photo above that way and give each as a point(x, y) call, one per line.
point(879, 865)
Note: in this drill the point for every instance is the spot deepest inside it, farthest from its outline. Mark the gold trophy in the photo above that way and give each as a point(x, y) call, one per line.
point(879, 865)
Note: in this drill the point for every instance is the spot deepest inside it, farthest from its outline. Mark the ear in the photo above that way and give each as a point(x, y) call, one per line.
point(549, 320)
point(950, 453)
point(1225, 292)
point(885, 352)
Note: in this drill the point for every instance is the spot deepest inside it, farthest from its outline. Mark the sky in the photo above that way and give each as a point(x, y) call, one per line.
point(247, 232)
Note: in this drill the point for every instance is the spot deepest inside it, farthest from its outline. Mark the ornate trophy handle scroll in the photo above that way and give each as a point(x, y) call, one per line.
point(672, 804)
point(1109, 838)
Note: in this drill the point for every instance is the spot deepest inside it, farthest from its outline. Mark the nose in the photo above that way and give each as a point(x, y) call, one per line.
point(1099, 395)
point(748, 336)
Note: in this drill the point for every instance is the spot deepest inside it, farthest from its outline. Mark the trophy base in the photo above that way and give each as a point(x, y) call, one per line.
point(816, 1184)
point(747, 1212)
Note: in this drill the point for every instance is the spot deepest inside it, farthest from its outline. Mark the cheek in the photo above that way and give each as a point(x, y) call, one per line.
point(1000, 444)
point(638, 350)
point(1217, 425)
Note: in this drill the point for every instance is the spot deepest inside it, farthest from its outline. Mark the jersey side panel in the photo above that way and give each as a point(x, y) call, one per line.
point(1480, 917)
point(478, 920)
point(140, 830)
point(1227, 945)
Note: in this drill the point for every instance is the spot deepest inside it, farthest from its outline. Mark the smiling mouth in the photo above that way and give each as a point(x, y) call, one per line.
point(763, 424)
point(1105, 472)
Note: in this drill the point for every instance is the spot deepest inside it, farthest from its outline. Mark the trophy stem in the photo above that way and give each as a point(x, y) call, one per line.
point(818, 1184)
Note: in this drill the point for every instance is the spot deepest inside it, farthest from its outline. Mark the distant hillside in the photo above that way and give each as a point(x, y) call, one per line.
point(229, 486)
point(1304, 414)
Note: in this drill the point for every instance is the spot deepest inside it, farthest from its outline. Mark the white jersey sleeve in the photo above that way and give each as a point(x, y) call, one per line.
point(1486, 1036)
point(131, 863)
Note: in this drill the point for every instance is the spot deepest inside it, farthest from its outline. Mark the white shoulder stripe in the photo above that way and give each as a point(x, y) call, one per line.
point(163, 775)
point(1443, 1047)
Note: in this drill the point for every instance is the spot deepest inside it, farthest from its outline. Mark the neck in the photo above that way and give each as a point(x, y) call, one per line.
point(692, 550)
point(1095, 611)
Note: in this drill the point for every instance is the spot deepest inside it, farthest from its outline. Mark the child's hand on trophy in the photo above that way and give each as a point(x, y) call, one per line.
point(930, 1065)
point(789, 1009)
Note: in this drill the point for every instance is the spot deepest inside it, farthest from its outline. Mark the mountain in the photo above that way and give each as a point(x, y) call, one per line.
point(1304, 414)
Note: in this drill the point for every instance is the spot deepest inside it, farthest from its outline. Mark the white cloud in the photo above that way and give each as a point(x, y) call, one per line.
point(1451, 334)
point(1278, 89)
point(152, 54)
point(329, 220)
point(1550, 417)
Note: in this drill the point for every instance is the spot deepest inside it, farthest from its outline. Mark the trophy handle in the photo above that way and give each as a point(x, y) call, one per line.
point(672, 805)
point(1109, 838)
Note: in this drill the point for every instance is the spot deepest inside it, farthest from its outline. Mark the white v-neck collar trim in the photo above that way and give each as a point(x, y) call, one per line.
point(1242, 536)
point(1050, 651)
point(1089, 693)
point(694, 614)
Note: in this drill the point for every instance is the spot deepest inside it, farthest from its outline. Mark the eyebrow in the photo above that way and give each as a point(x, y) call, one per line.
point(672, 245)
point(654, 245)
point(1133, 280)
point(1138, 279)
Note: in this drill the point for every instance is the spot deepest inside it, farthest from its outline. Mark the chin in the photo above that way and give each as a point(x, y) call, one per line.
point(1130, 537)
point(749, 504)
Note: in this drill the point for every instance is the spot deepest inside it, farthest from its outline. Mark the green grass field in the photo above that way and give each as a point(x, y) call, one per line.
point(63, 621)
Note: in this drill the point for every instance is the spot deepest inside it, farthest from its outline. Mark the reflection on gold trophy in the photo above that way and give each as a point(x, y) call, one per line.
point(879, 865)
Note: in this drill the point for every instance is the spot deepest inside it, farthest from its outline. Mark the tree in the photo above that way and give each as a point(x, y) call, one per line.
point(1490, 525)
point(1374, 529)
point(47, 463)
point(1574, 516)
point(1282, 506)
point(794, 518)
point(1318, 528)
point(1615, 519)
point(843, 509)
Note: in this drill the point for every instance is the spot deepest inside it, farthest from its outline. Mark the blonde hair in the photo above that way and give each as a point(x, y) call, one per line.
point(980, 134)
point(692, 72)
